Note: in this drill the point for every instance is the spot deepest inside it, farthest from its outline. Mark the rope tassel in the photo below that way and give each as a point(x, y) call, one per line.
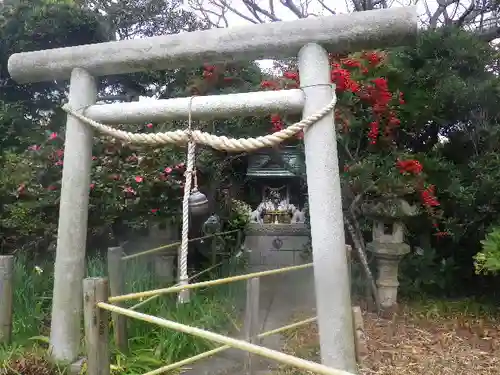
point(183, 251)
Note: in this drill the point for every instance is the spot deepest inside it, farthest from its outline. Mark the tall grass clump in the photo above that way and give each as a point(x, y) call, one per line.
point(214, 309)
point(32, 299)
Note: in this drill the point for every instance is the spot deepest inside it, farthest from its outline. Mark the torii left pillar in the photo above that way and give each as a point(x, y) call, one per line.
point(65, 332)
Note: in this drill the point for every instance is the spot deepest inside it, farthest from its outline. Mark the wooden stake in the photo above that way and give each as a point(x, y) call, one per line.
point(214, 250)
point(239, 237)
point(96, 326)
point(116, 274)
point(251, 324)
point(6, 293)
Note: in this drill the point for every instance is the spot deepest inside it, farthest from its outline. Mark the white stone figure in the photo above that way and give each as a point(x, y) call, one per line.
point(256, 216)
point(299, 216)
point(284, 206)
point(267, 205)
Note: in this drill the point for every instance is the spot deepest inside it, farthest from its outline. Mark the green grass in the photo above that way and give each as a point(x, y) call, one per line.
point(150, 346)
point(429, 308)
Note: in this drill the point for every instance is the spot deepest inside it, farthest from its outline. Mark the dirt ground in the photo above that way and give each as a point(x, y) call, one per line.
point(419, 341)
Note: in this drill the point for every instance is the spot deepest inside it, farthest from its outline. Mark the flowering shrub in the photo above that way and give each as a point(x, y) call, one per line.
point(132, 186)
point(368, 128)
point(128, 186)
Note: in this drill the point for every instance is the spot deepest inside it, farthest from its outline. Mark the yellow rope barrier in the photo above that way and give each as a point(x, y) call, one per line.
point(227, 280)
point(238, 344)
point(287, 327)
point(136, 306)
point(163, 247)
point(212, 352)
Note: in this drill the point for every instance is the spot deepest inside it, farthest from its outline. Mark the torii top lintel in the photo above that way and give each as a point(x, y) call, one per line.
point(338, 33)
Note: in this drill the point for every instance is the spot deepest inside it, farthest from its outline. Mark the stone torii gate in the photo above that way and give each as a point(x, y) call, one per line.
point(309, 39)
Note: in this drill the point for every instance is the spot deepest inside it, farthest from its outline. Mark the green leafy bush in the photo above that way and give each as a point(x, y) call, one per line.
point(488, 259)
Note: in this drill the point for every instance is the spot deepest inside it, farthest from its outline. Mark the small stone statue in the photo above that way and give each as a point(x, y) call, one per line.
point(283, 206)
point(256, 215)
point(211, 225)
point(298, 216)
point(273, 203)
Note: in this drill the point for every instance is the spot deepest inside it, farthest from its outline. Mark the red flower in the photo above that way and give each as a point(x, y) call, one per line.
point(150, 125)
point(428, 197)
point(269, 85)
point(92, 186)
point(341, 78)
point(277, 127)
point(441, 234)
point(139, 179)
point(154, 210)
point(373, 58)
point(277, 123)
point(275, 118)
point(394, 121)
point(208, 68)
point(409, 166)
point(291, 75)
point(380, 83)
point(351, 63)
point(401, 98)
point(53, 136)
point(209, 71)
point(129, 191)
point(374, 131)
point(168, 170)
point(343, 81)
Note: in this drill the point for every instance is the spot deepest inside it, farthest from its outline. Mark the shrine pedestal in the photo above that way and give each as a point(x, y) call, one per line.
point(276, 245)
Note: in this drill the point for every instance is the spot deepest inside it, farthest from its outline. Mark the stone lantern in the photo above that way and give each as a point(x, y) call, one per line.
point(388, 245)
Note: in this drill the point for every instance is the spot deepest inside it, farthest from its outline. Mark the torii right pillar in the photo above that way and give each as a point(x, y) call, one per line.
point(333, 298)
point(331, 272)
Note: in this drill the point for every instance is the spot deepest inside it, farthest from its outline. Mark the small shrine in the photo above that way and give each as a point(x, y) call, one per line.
point(277, 234)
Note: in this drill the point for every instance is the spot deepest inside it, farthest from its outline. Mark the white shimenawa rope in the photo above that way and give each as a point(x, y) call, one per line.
point(191, 137)
point(181, 137)
point(183, 296)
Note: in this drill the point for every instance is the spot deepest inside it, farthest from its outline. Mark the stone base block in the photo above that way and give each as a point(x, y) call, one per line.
point(276, 251)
